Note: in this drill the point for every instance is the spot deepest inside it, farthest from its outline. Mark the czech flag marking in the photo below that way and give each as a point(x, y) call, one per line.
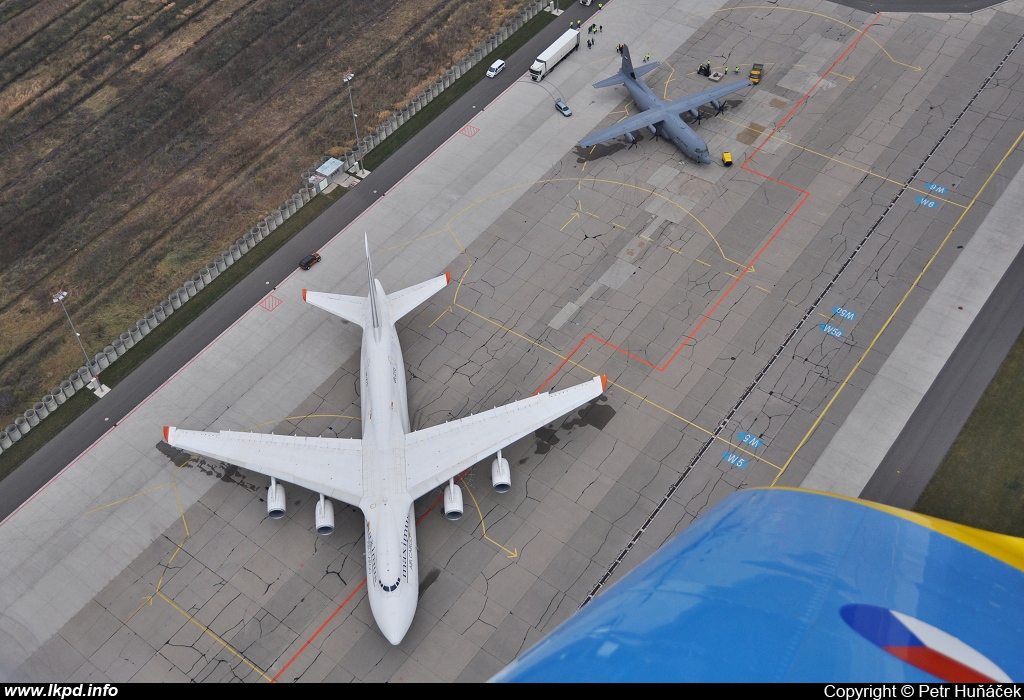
point(922, 645)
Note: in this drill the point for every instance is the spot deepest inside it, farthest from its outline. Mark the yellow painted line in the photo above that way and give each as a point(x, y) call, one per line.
point(220, 641)
point(704, 263)
point(512, 553)
point(766, 291)
point(618, 386)
point(851, 79)
point(128, 498)
point(775, 8)
point(439, 317)
point(899, 306)
point(575, 215)
point(1006, 548)
point(838, 161)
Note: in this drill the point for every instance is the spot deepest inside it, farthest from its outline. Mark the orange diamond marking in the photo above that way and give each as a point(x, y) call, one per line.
point(270, 303)
point(469, 130)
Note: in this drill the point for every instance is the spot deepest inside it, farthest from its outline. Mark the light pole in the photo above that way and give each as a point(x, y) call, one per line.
point(58, 298)
point(348, 81)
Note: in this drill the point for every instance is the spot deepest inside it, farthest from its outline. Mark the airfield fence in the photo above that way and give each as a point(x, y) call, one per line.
point(313, 183)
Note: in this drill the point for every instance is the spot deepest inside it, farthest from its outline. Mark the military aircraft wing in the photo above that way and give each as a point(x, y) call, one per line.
point(685, 104)
point(633, 123)
point(434, 455)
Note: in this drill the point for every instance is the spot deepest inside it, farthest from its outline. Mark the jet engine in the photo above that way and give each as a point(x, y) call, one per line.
point(501, 475)
point(275, 499)
point(324, 516)
point(452, 501)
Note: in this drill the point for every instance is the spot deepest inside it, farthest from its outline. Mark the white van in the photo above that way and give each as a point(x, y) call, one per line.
point(495, 68)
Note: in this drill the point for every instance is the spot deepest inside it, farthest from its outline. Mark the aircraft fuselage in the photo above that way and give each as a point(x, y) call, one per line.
point(392, 578)
point(672, 127)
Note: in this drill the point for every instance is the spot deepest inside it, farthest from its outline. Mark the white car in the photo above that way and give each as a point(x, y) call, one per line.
point(496, 68)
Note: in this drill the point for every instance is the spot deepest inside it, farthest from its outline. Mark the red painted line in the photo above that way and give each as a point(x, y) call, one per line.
point(318, 631)
point(760, 251)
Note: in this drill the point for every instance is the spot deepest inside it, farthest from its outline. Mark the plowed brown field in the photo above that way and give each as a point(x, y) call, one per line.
point(141, 137)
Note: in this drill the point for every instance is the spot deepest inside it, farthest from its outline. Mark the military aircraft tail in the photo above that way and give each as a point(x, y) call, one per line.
point(627, 70)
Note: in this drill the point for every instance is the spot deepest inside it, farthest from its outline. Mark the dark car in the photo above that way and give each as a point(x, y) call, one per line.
point(309, 261)
point(562, 107)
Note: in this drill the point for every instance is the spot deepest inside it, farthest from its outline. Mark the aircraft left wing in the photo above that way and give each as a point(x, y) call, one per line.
point(434, 455)
point(685, 104)
point(331, 466)
point(621, 128)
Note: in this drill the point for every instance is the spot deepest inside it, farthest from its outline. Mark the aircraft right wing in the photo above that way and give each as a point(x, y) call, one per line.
point(685, 104)
point(633, 123)
point(331, 466)
point(434, 455)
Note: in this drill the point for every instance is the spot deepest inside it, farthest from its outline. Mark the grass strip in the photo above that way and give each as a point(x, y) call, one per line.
point(980, 482)
point(457, 89)
point(75, 406)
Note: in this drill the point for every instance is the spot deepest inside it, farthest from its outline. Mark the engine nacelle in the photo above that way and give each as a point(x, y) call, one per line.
point(630, 137)
point(501, 475)
point(653, 129)
point(324, 516)
point(694, 113)
point(452, 501)
point(717, 105)
point(276, 504)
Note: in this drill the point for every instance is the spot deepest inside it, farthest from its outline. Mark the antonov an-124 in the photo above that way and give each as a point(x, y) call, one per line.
point(391, 466)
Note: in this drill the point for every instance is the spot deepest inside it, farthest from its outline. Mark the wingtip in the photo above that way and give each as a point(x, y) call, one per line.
point(447, 276)
point(303, 294)
point(167, 434)
point(604, 382)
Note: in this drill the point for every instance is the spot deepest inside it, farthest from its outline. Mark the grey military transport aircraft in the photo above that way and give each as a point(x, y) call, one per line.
point(659, 117)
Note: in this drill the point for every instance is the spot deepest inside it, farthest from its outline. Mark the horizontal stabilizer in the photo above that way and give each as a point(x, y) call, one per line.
point(616, 79)
point(645, 69)
point(351, 309)
point(404, 301)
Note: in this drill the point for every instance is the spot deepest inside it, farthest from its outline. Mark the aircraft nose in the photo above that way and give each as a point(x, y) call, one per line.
point(394, 628)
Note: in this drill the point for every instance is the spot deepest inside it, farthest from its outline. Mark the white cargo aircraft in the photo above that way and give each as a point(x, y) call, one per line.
point(391, 466)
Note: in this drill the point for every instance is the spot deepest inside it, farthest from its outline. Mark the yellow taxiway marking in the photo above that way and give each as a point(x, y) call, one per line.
point(775, 8)
point(127, 498)
point(579, 181)
point(157, 592)
point(899, 306)
point(644, 399)
point(837, 161)
point(512, 553)
point(220, 641)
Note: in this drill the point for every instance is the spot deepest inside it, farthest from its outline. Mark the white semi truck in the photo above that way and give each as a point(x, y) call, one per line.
point(549, 58)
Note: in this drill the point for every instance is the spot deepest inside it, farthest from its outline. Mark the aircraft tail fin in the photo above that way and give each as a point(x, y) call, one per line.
point(627, 70)
point(374, 309)
point(627, 63)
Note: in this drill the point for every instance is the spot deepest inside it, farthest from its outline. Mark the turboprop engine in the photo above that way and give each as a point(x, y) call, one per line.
point(717, 105)
point(324, 516)
point(452, 501)
point(501, 475)
point(275, 499)
point(694, 113)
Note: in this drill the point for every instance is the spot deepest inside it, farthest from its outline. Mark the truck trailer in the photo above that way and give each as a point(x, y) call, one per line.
point(550, 57)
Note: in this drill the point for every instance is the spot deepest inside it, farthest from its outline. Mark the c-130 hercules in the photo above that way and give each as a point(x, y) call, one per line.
point(659, 117)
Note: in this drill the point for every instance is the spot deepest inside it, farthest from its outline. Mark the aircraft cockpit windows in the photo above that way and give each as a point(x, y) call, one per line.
point(387, 588)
